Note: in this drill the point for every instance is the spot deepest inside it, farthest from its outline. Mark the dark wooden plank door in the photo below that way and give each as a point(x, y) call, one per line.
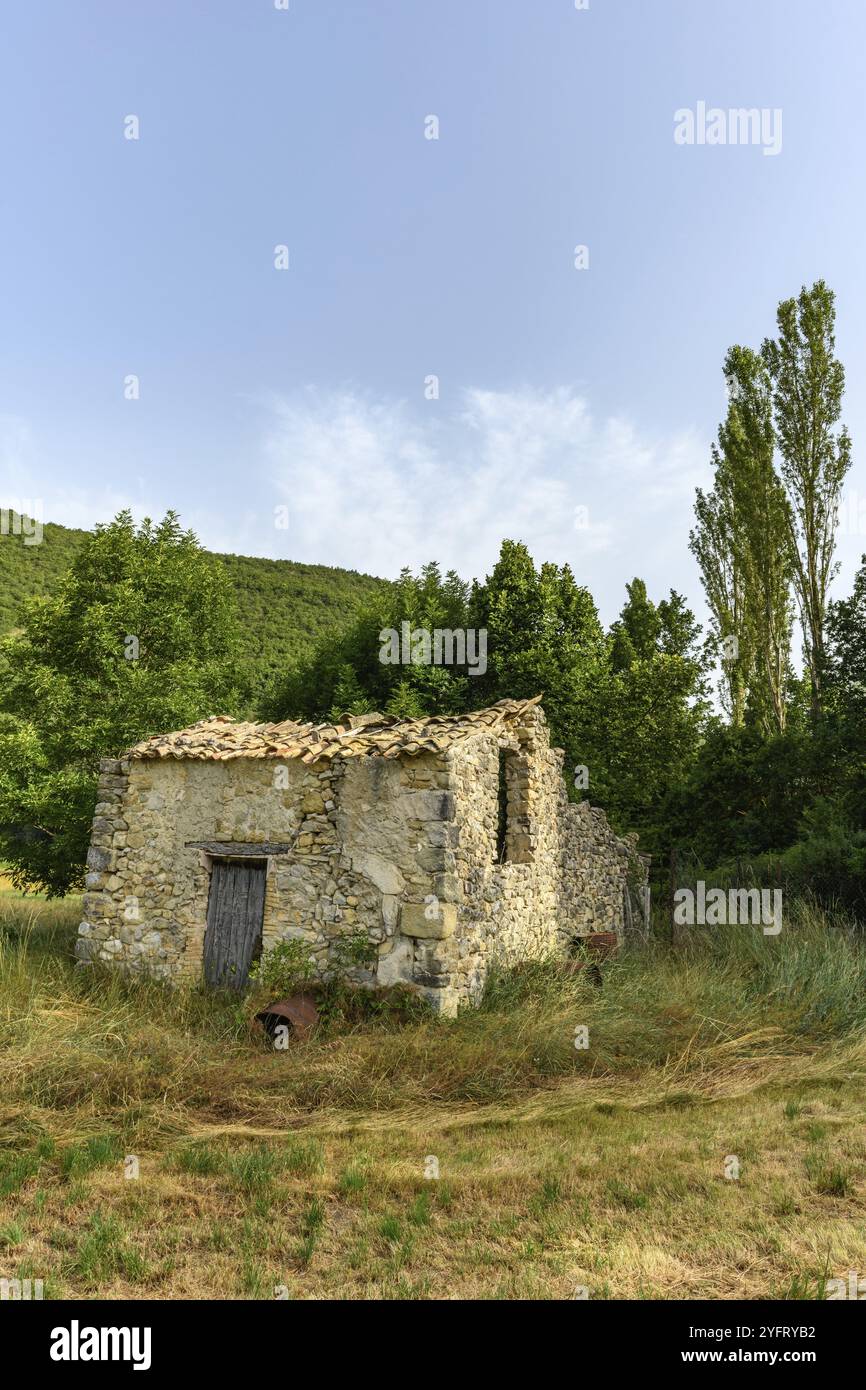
point(235, 911)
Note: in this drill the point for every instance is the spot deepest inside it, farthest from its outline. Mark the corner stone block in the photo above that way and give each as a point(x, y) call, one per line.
point(443, 1001)
point(413, 922)
point(395, 964)
point(97, 904)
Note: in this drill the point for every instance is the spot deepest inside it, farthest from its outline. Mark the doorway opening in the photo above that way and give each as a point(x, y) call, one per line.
point(235, 915)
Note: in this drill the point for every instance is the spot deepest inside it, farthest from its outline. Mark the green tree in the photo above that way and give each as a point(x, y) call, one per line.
point(844, 723)
point(628, 706)
point(347, 674)
point(543, 634)
point(761, 536)
point(643, 721)
point(846, 640)
point(140, 636)
point(636, 633)
point(808, 384)
point(744, 794)
point(712, 544)
point(742, 544)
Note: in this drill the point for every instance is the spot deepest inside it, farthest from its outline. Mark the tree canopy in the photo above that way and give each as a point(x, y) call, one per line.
point(139, 636)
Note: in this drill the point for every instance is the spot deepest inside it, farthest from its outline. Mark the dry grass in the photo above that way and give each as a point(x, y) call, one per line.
point(558, 1168)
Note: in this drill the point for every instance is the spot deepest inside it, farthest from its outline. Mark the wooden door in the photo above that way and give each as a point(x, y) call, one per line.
point(234, 921)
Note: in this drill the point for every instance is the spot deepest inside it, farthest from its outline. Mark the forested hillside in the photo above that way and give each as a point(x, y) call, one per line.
point(285, 608)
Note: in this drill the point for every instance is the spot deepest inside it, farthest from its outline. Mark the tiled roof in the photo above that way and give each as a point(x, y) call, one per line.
point(222, 738)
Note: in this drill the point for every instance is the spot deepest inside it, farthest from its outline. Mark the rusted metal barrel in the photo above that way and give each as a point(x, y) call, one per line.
point(298, 1012)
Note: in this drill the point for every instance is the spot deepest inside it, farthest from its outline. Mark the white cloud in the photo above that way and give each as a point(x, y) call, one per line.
point(373, 486)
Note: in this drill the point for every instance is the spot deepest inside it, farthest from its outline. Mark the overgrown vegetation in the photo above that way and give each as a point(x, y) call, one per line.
point(778, 778)
point(284, 608)
point(305, 1168)
point(627, 705)
point(284, 968)
point(142, 633)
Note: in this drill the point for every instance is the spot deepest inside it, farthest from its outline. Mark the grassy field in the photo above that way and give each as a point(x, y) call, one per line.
point(559, 1169)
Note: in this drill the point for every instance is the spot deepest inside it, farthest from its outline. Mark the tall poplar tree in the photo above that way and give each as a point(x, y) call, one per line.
point(760, 532)
point(808, 383)
point(742, 542)
point(712, 543)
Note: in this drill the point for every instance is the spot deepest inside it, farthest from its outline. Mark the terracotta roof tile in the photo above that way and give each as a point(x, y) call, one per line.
point(221, 738)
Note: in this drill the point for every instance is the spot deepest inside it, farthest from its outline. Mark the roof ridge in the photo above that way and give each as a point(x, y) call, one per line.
point(219, 737)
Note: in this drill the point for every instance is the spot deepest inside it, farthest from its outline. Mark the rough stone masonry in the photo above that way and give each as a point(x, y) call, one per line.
point(445, 844)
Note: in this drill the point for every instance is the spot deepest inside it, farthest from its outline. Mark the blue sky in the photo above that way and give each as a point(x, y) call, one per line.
point(559, 389)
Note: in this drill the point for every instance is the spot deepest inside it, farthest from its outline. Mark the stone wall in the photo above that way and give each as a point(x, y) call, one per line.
point(563, 873)
point(400, 854)
point(365, 836)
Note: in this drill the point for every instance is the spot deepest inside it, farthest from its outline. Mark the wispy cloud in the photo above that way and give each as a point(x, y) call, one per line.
point(373, 485)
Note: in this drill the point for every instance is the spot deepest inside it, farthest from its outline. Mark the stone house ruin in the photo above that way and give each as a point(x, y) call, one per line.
point(440, 844)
